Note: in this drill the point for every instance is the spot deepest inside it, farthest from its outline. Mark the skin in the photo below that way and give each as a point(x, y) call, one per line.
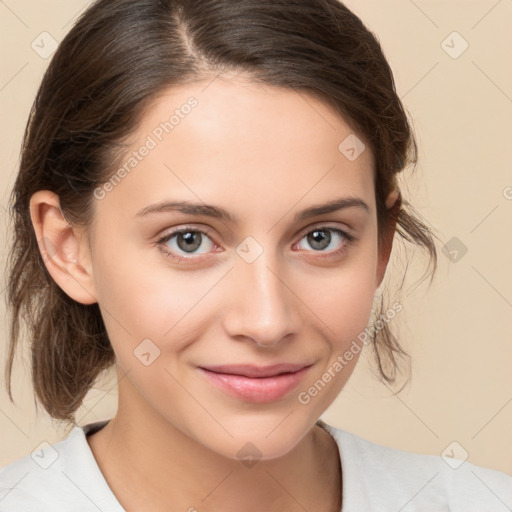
point(263, 154)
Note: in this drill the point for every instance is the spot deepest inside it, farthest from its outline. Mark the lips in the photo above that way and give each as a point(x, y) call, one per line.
point(246, 370)
point(256, 384)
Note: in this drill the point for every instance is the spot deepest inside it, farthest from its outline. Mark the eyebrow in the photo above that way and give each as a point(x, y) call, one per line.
point(208, 210)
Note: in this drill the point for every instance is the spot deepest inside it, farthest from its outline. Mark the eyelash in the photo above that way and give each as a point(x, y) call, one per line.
point(161, 243)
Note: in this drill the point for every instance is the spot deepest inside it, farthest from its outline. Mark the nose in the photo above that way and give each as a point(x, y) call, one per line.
point(262, 306)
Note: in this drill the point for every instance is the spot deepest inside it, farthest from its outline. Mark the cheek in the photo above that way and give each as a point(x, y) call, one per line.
point(342, 298)
point(141, 297)
point(346, 307)
point(342, 313)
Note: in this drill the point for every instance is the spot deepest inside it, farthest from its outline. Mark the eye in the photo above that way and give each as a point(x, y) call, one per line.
point(182, 245)
point(325, 239)
point(179, 243)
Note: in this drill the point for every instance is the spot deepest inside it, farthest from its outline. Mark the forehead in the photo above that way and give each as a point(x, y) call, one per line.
point(249, 144)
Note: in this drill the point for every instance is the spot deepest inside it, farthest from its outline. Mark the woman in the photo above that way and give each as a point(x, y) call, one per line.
point(207, 199)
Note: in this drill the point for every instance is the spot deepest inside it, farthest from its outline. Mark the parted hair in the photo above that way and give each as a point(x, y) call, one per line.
point(118, 57)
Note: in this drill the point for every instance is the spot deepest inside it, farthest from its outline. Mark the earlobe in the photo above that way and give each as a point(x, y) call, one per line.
point(63, 248)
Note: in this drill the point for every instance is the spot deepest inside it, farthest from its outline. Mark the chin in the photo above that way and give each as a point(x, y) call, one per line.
point(257, 437)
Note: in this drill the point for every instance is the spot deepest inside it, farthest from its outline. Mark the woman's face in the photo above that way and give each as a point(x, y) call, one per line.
point(246, 273)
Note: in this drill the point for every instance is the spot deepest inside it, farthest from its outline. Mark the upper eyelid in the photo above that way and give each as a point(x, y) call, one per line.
point(325, 225)
point(185, 229)
point(302, 232)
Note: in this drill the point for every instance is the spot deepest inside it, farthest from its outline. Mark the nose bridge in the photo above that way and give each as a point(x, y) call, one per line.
point(262, 308)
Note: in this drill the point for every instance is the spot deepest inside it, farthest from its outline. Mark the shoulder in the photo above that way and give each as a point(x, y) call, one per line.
point(32, 482)
point(393, 477)
point(56, 477)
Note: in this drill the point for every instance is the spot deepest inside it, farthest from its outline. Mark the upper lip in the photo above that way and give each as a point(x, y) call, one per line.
point(251, 371)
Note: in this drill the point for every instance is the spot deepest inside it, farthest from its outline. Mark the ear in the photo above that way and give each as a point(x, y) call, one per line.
point(393, 204)
point(64, 248)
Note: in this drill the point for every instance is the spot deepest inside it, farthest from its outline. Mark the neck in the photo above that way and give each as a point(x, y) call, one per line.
point(149, 463)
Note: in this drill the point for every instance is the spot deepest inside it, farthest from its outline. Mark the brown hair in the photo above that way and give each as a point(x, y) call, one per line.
point(108, 69)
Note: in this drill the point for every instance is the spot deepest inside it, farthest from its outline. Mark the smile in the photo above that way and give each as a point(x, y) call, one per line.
point(256, 384)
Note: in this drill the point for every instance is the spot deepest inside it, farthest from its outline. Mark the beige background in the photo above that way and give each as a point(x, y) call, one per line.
point(458, 330)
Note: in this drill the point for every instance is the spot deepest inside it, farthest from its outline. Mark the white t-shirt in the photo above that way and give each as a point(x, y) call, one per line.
point(65, 477)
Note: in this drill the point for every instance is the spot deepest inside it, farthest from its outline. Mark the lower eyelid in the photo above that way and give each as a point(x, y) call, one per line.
point(348, 239)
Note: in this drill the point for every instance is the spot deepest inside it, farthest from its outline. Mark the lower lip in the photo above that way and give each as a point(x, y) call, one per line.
point(260, 390)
